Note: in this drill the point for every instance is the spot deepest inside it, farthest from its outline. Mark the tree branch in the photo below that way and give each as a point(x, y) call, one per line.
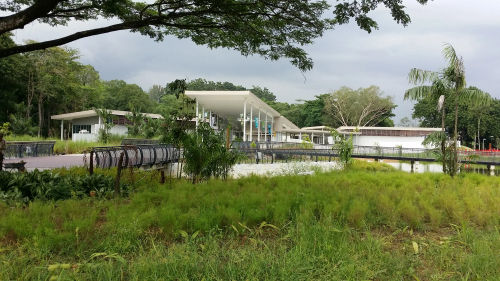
point(18, 20)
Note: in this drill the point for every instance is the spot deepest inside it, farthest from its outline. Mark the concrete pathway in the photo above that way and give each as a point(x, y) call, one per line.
point(50, 162)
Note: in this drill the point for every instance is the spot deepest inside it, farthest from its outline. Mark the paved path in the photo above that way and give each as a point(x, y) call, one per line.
point(50, 162)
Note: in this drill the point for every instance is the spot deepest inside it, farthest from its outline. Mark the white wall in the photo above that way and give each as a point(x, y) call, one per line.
point(389, 141)
point(119, 130)
point(94, 122)
point(85, 137)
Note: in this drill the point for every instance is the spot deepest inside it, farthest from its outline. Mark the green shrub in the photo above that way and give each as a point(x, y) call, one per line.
point(49, 185)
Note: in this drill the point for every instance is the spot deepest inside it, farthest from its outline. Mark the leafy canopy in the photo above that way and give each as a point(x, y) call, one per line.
point(271, 28)
point(362, 107)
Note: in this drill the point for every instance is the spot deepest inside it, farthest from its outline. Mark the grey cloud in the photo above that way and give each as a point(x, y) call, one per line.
point(345, 56)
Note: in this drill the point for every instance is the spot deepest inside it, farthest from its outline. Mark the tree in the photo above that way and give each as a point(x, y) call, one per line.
point(136, 120)
point(468, 114)
point(106, 118)
point(449, 83)
point(407, 122)
point(201, 84)
point(122, 96)
point(439, 90)
point(263, 93)
point(362, 107)
point(12, 77)
point(51, 78)
point(273, 29)
point(156, 92)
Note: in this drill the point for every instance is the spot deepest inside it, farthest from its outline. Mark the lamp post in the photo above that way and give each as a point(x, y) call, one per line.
point(483, 143)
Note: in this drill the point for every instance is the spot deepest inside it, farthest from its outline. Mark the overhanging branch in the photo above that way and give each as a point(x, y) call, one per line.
point(19, 20)
point(70, 38)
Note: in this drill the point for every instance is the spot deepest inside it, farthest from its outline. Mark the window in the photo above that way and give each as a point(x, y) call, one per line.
point(78, 128)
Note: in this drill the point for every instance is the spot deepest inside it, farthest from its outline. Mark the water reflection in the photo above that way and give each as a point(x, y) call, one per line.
point(438, 168)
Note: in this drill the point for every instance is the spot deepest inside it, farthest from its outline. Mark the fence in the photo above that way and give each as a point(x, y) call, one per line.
point(143, 155)
point(139, 141)
point(20, 149)
point(272, 152)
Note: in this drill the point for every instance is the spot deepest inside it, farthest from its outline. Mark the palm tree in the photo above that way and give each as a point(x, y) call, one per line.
point(449, 81)
point(455, 73)
point(439, 89)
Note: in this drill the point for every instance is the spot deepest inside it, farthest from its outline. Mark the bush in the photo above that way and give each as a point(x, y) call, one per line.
point(206, 155)
point(49, 185)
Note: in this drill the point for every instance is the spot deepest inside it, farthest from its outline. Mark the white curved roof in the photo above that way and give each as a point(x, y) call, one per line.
point(91, 113)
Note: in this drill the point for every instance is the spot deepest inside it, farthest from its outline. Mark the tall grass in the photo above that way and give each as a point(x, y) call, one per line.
point(68, 146)
point(358, 224)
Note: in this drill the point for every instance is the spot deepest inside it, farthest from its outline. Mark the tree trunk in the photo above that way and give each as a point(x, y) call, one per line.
point(40, 114)
point(478, 136)
point(31, 94)
point(443, 141)
point(455, 138)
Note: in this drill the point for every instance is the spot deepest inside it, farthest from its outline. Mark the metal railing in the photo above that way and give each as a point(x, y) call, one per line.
point(20, 149)
point(139, 141)
point(271, 151)
point(143, 155)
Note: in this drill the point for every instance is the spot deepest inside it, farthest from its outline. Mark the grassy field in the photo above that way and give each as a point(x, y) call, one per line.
point(367, 223)
point(67, 146)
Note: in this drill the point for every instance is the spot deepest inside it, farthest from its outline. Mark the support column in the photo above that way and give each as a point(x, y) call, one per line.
point(62, 129)
point(251, 122)
point(265, 128)
point(272, 128)
point(258, 129)
point(203, 115)
point(197, 115)
point(245, 121)
point(312, 138)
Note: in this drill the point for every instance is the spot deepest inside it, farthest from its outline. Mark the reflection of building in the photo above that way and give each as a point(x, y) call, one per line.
point(86, 124)
point(404, 137)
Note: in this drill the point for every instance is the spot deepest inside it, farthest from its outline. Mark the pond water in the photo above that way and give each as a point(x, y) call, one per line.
point(438, 168)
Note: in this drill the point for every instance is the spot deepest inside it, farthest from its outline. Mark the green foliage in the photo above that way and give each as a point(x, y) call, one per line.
point(253, 145)
point(263, 93)
point(136, 122)
point(119, 95)
point(307, 113)
point(106, 124)
point(151, 127)
point(448, 84)
point(12, 75)
point(21, 125)
point(306, 143)
point(360, 223)
point(5, 129)
point(362, 107)
point(344, 147)
point(346, 10)
point(206, 155)
point(48, 185)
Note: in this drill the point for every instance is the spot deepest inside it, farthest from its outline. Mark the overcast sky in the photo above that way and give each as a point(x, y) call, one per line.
point(345, 56)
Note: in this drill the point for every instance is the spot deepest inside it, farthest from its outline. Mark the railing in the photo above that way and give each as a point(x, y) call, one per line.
point(20, 149)
point(272, 151)
point(143, 155)
point(139, 141)
point(278, 145)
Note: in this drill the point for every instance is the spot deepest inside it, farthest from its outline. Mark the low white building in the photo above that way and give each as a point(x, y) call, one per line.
point(250, 118)
point(404, 137)
point(85, 125)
